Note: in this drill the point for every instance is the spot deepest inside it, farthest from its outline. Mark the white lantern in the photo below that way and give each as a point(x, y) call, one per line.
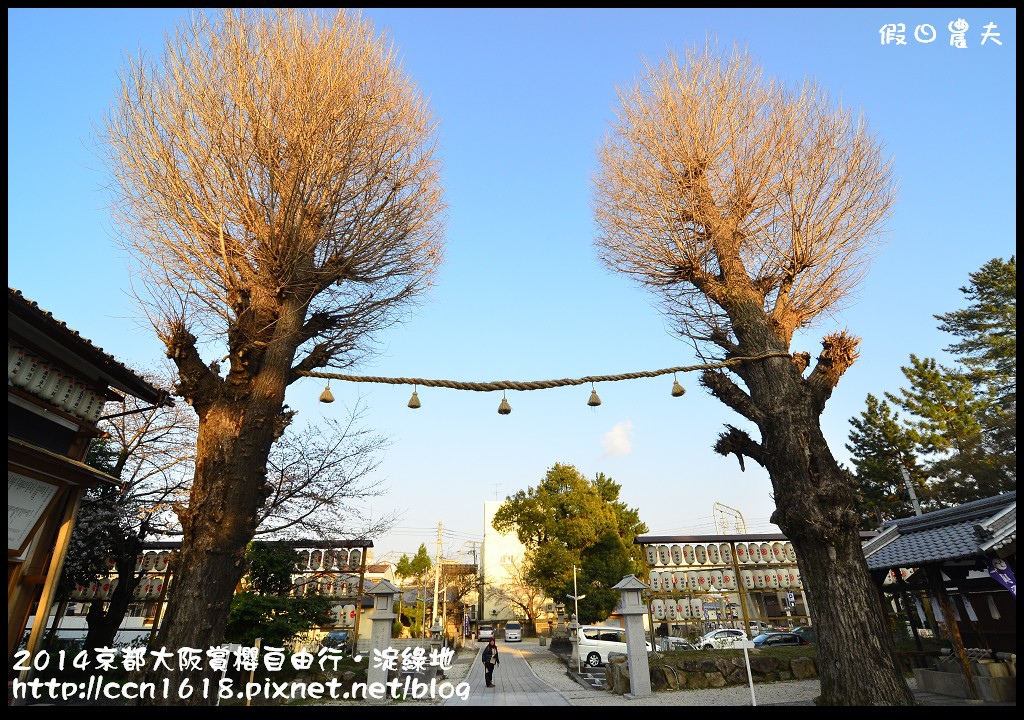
point(700, 554)
point(790, 551)
point(670, 607)
point(725, 551)
point(691, 581)
point(652, 554)
point(664, 556)
point(742, 556)
point(713, 557)
point(778, 552)
point(688, 556)
point(677, 555)
point(655, 581)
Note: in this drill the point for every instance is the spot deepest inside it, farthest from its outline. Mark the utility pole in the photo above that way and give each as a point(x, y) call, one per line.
point(479, 587)
point(437, 569)
point(910, 490)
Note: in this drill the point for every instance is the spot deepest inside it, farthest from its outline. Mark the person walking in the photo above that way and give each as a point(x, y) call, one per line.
point(490, 657)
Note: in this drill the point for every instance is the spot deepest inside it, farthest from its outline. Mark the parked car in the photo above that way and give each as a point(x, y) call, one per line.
point(336, 640)
point(668, 644)
point(598, 641)
point(513, 631)
point(720, 639)
point(778, 639)
point(484, 632)
point(807, 632)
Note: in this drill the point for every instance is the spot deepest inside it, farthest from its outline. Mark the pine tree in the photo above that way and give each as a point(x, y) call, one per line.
point(881, 447)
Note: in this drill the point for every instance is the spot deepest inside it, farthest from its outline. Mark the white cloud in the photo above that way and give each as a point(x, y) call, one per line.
point(618, 440)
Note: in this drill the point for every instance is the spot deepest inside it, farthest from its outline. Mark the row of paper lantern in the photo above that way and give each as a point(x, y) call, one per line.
point(678, 609)
point(720, 553)
point(147, 562)
point(326, 586)
point(706, 580)
point(333, 559)
point(43, 380)
point(103, 589)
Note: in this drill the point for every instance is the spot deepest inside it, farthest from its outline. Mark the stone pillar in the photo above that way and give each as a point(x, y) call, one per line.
point(574, 638)
point(435, 647)
point(633, 609)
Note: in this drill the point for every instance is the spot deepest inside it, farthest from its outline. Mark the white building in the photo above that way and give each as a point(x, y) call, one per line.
point(499, 556)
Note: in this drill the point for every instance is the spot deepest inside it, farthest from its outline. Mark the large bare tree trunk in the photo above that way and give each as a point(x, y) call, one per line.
point(816, 509)
point(240, 417)
point(218, 525)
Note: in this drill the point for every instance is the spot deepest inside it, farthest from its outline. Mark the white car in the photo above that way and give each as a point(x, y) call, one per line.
point(484, 632)
point(597, 641)
point(513, 631)
point(720, 639)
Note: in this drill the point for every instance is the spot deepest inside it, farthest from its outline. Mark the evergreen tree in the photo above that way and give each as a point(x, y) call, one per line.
point(960, 423)
point(567, 521)
point(881, 448)
point(266, 608)
point(988, 328)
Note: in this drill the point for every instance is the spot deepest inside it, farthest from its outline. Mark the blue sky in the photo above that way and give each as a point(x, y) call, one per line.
point(523, 97)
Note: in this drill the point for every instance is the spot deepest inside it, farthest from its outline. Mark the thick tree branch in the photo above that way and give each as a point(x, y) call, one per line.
point(736, 442)
point(837, 356)
point(721, 387)
point(197, 382)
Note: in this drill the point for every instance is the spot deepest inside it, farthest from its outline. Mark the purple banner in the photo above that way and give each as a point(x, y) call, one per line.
point(1003, 574)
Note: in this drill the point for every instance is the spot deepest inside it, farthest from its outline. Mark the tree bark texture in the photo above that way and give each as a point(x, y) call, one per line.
point(240, 417)
point(816, 509)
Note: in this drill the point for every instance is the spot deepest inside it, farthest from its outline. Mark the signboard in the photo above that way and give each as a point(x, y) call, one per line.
point(27, 502)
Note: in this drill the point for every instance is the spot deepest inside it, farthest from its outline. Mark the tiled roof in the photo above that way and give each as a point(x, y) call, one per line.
point(114, 372)
point(971, 530)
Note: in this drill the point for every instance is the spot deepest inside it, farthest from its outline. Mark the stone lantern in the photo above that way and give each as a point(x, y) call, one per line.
point(383, 619)
point(633, 609)
point(574, 638)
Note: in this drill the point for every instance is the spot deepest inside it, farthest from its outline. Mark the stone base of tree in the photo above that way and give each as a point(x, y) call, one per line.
point(699, 673)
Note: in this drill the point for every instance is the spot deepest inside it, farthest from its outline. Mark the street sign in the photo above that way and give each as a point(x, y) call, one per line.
point(791, 597)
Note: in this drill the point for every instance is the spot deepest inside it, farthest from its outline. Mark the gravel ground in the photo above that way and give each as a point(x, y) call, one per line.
point(552, 669)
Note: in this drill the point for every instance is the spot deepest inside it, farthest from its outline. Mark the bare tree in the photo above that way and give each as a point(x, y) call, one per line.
point(275, 181)
point(151, 450)
point(518, 592)
point(751, 211)
point(314, 477)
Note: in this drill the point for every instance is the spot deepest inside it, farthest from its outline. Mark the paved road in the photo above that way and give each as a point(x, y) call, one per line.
point(515, 683)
